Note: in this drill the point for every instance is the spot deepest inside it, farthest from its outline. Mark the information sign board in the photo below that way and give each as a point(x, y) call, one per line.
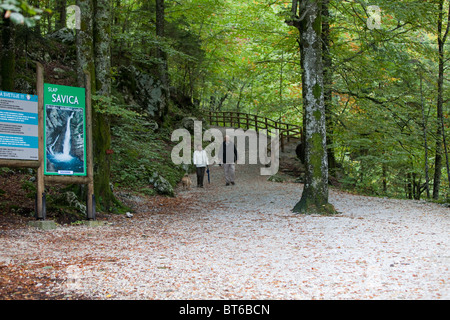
point(18, 126)
point(64, 130)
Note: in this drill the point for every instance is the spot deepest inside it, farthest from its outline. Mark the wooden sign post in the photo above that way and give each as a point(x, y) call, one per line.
point(89, 150)
point(57, 140)
point(40, 197)
point(64, 160)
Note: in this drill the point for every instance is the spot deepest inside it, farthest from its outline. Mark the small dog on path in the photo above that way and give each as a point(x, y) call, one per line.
point(186, 181)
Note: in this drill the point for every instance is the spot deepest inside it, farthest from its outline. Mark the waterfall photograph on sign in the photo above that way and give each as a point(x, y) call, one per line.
point(65, 140)
point(64, 136)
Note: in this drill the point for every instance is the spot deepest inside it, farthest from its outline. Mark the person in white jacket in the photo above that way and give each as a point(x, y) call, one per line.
point(200, 160)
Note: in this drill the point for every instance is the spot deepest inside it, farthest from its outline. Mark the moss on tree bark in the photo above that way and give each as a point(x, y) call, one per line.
point(314, 198)
point(93, 55)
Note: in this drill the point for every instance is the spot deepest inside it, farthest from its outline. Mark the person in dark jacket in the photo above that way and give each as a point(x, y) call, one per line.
point(228, 158)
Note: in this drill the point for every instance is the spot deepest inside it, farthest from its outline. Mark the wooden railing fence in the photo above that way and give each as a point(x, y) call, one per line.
point(251, 121)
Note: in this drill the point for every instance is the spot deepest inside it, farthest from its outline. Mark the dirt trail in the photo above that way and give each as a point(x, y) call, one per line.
point(243, 242)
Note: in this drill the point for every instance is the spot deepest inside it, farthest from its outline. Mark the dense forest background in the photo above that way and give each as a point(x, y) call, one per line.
point(156, 62)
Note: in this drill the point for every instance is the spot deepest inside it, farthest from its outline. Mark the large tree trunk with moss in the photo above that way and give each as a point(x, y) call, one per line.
point(327, 83)
point(163, 71)
point(101, 124)
point(62, 16)
point(8, 58)
point(442, 37)
point(85, 43)
point(93, 55)
point(102, 46)
point(315, 193)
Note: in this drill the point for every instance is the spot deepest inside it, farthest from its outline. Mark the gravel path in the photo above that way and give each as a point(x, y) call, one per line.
point(243, 242)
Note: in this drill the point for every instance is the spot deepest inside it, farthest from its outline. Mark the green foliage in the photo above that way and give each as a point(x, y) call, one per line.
point(30, 188)
point(138, 153)
point(378, 99)
point(110, 107)
point(242, 56)
point(276, 178)
point(20, 12)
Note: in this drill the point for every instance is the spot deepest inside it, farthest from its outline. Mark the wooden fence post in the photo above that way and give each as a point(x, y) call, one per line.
point(285, 130)
point(288, 133)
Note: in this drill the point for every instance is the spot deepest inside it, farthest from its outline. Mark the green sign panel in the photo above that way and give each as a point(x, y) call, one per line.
point(64, 130)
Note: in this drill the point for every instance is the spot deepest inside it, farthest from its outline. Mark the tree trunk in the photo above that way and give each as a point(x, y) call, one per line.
point(409, 188)
point(384, 174)
point(445, 150)
point(315, 194)
point(416, 186)
point(238, 105)
point(425, 141)
point(327, 83)
point(8, 57)
point(102, 46)
point(61, 9)
point(162, 66)
point(85, 43)
point(101, 123)
point(438, 157)
point(93, 55)
point(441, 42)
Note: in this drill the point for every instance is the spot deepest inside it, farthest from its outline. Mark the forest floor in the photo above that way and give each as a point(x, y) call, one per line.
point(236, 242)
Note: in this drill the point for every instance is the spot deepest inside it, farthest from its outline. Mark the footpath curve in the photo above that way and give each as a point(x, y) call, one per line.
point(243, 242)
